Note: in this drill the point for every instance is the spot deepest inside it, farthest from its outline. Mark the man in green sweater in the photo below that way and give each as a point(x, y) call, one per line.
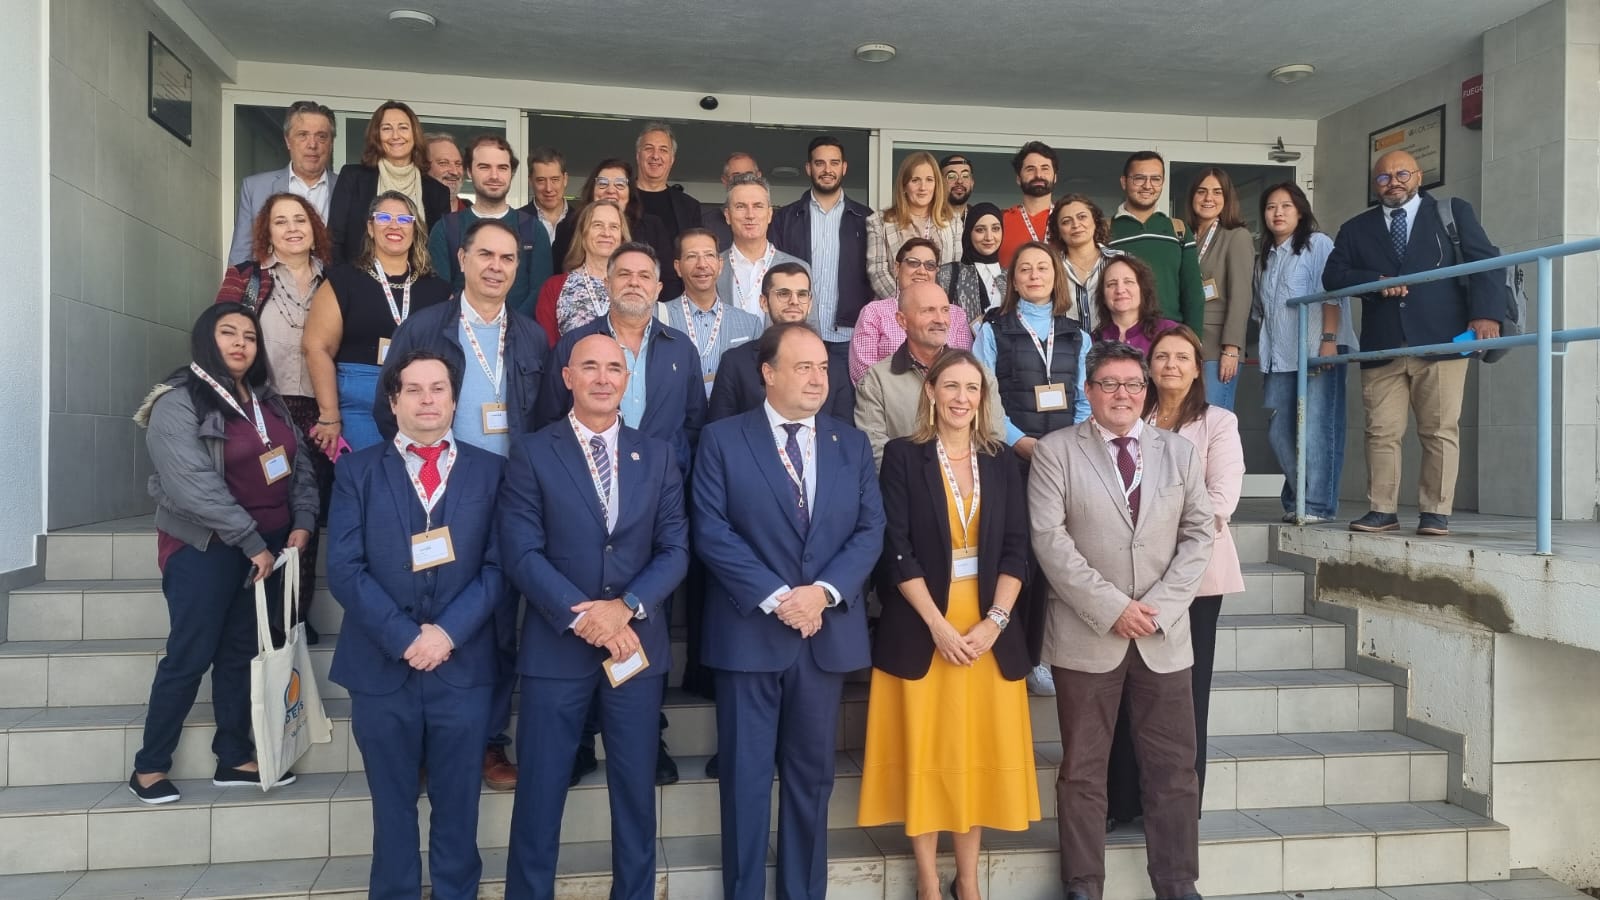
point(1160, 241)
point(492, 165)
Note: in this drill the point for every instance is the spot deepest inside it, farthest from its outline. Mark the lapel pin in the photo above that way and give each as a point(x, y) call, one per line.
point(836, 439)
point(674, 367)
point(633, 456)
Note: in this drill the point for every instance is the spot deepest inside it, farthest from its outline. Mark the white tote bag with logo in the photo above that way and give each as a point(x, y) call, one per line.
point(285, 706)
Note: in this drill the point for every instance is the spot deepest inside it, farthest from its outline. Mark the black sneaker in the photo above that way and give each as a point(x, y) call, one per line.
point(163, 791)
point(230, 777)
point(1374, 522)
point(1433, 525)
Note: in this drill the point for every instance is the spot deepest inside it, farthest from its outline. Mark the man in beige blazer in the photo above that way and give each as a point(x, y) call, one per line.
point(1122, 527)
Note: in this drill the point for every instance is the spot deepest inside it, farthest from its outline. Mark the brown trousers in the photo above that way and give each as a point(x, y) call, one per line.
point(1161, 712)
point(1432, 390)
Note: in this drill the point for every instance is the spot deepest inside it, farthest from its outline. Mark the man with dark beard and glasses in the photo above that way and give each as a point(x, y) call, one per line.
point(1036, 165)
point(956, 170)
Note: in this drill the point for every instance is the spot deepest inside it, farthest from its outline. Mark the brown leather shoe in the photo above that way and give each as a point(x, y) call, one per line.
point(498, 772)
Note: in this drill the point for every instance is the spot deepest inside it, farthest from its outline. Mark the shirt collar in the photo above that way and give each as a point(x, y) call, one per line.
point(321, 179)
point(402, 442)
point(1136, 432)
point(902, 361)
point(474, 319)
point(1410, 207)
point(609, 435)
point(694, 308)
point(775, 421)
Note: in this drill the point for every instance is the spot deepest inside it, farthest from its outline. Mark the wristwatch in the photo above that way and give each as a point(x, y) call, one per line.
point(634, 603)
point(1329, 337)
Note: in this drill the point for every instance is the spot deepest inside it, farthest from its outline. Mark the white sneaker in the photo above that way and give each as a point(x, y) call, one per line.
point(1040, 682)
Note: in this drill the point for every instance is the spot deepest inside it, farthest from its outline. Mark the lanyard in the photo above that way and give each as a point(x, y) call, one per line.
point(1047, 350)
point(600, 489)
point(1027, 220)
point(1210, 233)
point(963, 512)
point(255, 405)
point(403, 311)
point(499, 370)
point(760, 272)
point(445, 467)
point(688, 319)
point(783, 457)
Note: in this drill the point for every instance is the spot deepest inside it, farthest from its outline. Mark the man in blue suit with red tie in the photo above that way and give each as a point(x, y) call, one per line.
point(789, 523)
point(413, 560)
point(592, 521)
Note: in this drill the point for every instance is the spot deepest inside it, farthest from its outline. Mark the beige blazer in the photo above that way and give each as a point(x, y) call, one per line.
point(1097, 562)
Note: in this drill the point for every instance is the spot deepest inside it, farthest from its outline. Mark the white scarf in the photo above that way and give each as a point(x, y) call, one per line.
point(407, 180)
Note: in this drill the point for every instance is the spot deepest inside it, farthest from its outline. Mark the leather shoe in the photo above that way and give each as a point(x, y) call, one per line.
point(666, 769)
point(1375, 522)
point(1433, 525)
point(1189, 896)
point(498, 772)
point(583, 765)
point(712, 769)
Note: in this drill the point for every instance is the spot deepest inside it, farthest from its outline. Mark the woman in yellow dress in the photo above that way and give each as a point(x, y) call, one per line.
point(949, 744)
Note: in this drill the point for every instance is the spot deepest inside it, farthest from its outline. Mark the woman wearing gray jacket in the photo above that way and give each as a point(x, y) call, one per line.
point(233, 487)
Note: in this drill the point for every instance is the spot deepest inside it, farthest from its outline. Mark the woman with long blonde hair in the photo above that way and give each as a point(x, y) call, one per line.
point(920, 209)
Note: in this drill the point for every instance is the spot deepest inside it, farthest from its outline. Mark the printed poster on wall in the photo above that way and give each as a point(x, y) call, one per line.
point(1422, 136)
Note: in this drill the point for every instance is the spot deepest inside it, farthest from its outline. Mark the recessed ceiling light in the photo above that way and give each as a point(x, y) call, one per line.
point(785, 172)
point(875, 52)
point(1291, 73)
point(413, 20)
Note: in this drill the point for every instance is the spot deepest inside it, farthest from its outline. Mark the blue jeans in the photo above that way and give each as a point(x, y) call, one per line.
point(1325, 422)
point(1219, 393)
point(358, 387)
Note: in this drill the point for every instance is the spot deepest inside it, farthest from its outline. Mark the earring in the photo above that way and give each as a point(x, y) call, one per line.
point(931, 422)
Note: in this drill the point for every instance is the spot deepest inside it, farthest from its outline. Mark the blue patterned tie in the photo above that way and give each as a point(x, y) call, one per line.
point(1397, 232)
point(791, 448)
point(602, 467)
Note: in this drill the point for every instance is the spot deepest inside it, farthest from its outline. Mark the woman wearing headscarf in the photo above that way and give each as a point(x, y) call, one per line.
point(976, 283)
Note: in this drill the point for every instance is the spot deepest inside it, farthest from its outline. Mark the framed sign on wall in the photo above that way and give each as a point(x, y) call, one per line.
point(170, 92)
point(1422, 136)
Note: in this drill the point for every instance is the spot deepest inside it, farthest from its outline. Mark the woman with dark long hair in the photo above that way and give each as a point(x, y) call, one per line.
point(393, 158)
point(1126, 306)
point(1226, 260)
point(1079, 231)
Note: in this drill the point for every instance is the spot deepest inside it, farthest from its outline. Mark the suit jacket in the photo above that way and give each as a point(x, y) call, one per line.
point(791, 232)
point(1096, 560)
point(253, 193)
point(353, 195)
point(725, 280)
point(739, 387)
point(916, 544)
point(675, 393)
point(1430, 313)
point(559, 552)
point(746, 533)
point(371, 518)
point(438, 328)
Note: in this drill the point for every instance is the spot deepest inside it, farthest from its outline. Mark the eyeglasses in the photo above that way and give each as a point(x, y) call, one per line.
point(932, 265)
point(1109, 386)
point(383, 218)
point(603, 183)
point(1146, 179)
point(1403, 176)
point(785, 295)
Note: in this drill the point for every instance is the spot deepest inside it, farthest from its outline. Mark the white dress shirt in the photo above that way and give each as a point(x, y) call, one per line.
point(318, 194)
point(806, 437)
point(609, 436)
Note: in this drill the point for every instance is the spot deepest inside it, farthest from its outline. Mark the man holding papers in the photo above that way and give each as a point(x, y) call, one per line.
point(593, 531)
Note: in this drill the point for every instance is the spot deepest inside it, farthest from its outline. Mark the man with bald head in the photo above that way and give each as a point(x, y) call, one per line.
point(594, 514)
point(887, 396)
point(1405, 235)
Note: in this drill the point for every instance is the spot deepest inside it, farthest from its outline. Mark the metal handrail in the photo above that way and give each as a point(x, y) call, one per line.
point(1544, 338)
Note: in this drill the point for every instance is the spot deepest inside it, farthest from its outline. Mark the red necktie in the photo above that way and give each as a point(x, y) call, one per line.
point(429, 476)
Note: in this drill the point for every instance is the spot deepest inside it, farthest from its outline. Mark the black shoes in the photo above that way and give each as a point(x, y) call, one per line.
point(583, 765)
point(712, 769)
point(1433, 525)
point(666, 769)
point(230, 777)
point(1375, 522)
point(163, 791)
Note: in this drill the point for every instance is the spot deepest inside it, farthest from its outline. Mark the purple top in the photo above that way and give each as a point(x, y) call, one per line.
point(1135, 336)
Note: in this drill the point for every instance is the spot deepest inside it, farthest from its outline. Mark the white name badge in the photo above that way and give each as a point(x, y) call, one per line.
point(1209, 288)
point(431, 548)
point(1049, 397)
point(494, 419)
point(619, 672)
point(275, 465)
point(964, 564)
point(383, 350)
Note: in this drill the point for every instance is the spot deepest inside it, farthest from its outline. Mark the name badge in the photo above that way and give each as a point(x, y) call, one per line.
point(964, 564)
point(494, 419)
point(431, 548)
point(1049, 397)
point(620, 672)
point(1209, 288)
point(275, 465)
point(383, 350)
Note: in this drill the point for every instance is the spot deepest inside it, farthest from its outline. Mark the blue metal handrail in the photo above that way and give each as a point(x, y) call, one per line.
point(1545, 338)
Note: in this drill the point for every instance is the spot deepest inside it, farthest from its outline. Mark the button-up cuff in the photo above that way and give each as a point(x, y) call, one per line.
point(770, 604)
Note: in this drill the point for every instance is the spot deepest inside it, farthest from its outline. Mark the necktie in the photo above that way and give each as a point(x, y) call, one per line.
point(791, 448)
point(602, 466)
point(1397, 232)
point(429, 476)
point(1127, 467)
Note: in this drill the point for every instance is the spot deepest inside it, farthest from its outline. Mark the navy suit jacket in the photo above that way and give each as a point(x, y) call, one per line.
point(559, 553)
point(739, 387)
point(747, 534)
point(371, 518)
point(675, 391)
point(1430, 313)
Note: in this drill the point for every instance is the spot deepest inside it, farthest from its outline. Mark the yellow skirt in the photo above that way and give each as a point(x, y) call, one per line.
point(953, 749)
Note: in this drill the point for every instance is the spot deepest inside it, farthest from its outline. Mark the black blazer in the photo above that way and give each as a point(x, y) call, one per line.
point(790, 232)
point(739, 387)
point(352, 196)
point(1431, 313)
point(916, 544)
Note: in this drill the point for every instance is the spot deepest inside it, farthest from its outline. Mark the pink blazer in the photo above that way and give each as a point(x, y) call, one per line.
point(1216, 436)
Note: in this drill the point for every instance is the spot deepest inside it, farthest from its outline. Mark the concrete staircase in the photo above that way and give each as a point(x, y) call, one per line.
point(1309, 787)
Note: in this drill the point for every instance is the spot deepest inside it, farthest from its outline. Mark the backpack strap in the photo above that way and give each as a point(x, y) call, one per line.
point(452, 242)
point(1447, 219)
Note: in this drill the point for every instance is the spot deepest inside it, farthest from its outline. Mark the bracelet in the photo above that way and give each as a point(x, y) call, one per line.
point(999, 617)
point(1329, 337)
point(334, 422)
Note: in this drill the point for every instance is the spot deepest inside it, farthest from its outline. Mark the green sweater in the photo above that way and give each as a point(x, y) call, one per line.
point(1175, 261)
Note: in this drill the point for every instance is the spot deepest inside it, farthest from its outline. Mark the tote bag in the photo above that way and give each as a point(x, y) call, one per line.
point(285, 706)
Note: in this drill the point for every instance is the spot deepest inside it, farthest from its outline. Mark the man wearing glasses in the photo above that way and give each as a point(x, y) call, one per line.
point(308, 133)
point(1139, 228)
point(958, 184)
point(1401, 236)
point(1116, 622)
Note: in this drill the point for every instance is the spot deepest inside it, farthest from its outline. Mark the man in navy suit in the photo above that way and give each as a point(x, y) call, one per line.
point(308, 132)
point(789, 523)
point(414, 562)
point(592, 521)
point(1402, 236)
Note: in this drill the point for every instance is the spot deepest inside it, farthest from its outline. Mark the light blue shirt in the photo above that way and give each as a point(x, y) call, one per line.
point(633, 397)
point(825, 267)
point(737, 327)
point(1037, 318)
point(1289, 274)
point(476, 389)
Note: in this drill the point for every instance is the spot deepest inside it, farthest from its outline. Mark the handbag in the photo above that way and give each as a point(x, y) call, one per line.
point(286, 714)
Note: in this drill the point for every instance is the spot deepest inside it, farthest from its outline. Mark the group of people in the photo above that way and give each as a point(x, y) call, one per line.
point(982, 452)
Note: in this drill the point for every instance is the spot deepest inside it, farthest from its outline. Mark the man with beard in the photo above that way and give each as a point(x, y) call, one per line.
point(444, 165)
point(828, 231)
point(957, 172)
point(1161, 241)
point(493, 165)
point(1404, 235)
point(1036, 166)
point(654, 153)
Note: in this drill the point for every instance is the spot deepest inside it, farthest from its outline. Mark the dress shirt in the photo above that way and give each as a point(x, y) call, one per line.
point(633, 399)
point(1136, 433)
point(825, 267)
point(1411, 207)
point(1039, 319)
point(609, 437)
point(476, 389)
point(549, 226)
point(414, 462)
point(738, 327)
point(1289, 274)
point(878, 335)
point(747, 275)
point(318, 194)
point(807, 439)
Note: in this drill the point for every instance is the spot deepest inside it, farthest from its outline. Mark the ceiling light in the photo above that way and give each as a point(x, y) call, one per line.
point(785, 172)
point(875, 52)
point(1291, 73)
point(413, 20)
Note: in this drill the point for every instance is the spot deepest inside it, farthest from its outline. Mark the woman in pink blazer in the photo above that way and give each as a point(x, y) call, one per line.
point(1178, 403)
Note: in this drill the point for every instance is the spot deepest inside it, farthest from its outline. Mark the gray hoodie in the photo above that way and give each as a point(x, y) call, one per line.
point(192, 498)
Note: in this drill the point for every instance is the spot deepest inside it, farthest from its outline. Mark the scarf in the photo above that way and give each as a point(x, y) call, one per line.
point(969, 253)
point(407, 180)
